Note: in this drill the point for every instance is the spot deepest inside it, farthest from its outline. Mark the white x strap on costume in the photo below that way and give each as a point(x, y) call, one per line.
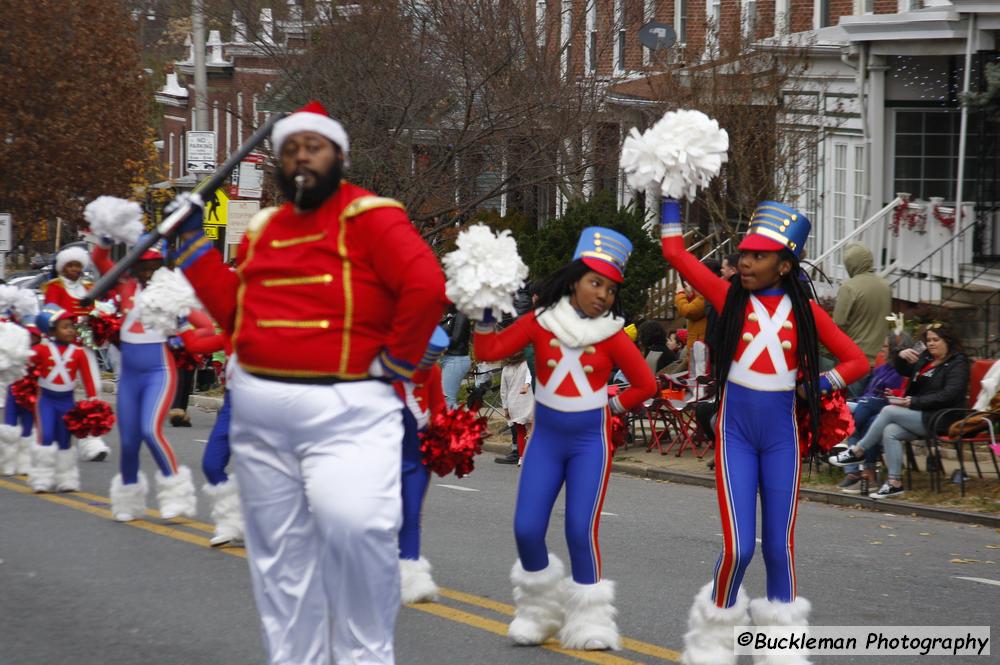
point(58, 379)
point(570, 365)
point(766, 341)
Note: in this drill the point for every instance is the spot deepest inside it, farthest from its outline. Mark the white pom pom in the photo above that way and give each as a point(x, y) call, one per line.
point(165, 299)
point(25, 303)
point(118, 219)
point(485, 271)
point(17, 301)
point(678, 155)
point(15, 351)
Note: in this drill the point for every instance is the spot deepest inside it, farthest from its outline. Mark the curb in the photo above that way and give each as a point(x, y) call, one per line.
point(817, 496)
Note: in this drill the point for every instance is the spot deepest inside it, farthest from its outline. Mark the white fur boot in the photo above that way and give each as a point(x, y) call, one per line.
point(67, 473)
point(42, 476)
point(176, 494)
point(709, 640)
point(226, 514)
point(766, 612)
point(24, 448)
point(590, 616)
point(128, 502)
point(93, 449)
point(538, 597)
point(416, 583)
point(10, 436)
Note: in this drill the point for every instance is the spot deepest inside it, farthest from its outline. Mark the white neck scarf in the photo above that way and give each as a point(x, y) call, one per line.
point(575, 331)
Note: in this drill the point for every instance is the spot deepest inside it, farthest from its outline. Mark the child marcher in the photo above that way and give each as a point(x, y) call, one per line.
point(516, 398)
point(17, 434)
point(60, 364)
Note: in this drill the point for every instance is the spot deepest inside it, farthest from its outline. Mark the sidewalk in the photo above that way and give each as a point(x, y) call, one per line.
point(690, 470)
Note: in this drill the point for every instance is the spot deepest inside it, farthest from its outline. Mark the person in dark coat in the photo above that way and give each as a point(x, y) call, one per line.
point(938, 379)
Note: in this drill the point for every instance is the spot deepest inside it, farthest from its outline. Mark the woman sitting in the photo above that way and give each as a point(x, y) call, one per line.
point(939, 378)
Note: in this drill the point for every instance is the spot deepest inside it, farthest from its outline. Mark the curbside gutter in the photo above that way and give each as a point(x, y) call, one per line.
point(818, 496)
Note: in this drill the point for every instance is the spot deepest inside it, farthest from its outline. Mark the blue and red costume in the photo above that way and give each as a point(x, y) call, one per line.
point(570, 443)
point(424, 398)
point(757, 448)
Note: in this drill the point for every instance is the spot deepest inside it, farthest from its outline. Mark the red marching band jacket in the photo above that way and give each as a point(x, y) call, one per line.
point(54, 291)
point(59, 367)
point(571, 379)
point(765, 357)
point(323, 293)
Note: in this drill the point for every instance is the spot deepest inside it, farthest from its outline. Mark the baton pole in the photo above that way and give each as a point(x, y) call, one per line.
point(202, 191)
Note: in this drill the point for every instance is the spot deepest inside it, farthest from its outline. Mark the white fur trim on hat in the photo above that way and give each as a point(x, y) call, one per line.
point(307, 121)
point(70, 254)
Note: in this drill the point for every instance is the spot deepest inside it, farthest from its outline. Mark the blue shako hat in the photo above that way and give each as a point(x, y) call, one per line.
point(604, 251)
point(46, 319)
point(440, 341)
point(775, 226)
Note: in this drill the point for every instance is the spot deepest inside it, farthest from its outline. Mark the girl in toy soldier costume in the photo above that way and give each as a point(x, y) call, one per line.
point(577, 334)
point(765, 348)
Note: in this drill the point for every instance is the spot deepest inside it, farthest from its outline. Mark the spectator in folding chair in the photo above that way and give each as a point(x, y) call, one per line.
point(652, 340)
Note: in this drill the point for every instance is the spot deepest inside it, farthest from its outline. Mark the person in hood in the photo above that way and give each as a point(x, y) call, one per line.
point(863, 303)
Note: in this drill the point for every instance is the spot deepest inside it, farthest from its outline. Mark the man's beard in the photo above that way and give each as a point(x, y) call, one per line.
point(310, 198)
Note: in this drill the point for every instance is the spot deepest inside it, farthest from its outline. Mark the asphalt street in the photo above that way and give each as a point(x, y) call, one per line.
point(80, 589)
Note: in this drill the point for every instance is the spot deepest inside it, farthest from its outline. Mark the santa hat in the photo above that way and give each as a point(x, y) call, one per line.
point(71, 254)
point(312, 117)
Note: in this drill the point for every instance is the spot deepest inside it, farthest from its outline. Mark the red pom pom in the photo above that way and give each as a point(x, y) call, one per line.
point(454, 437)
point(185, 360)
point(618, 432)
point(835, 422)
point(104, 328)
point(90, 417)
point(25, 390)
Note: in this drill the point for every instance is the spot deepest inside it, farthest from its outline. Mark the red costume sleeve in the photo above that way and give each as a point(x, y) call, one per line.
point(199, 336)
point(703, 280)
point(408, 267)
point(495, 345)
point(435, 391)
point(853, 361)
point(86, 372)
point(642, 383)
point(216, 285)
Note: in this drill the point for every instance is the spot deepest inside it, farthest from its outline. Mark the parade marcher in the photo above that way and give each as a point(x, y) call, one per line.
point(577, 332)
point(17, 436)
point(335, 295)
point(766, 347)
point(145, 391)
point(60, 364)
point(423, 398)
point(67, 291)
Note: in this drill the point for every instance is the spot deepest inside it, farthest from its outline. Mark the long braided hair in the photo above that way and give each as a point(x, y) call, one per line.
point(726, 334)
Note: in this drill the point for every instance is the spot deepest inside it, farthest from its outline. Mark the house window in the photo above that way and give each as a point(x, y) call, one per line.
point(926, 154)
point(821, 13)
point(781, 17)
point(839, 191)
point(591, 57)
point(540, 22)
point(748, 19)
point(859, 184)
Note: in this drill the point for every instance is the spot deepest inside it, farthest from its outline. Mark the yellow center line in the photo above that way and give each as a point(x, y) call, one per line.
point(637, 646)
point(500, 628)
point(72, 500)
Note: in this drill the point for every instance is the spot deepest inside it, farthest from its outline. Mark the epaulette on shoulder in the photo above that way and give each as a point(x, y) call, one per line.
point(365, 203)
point(260, 219)
point(51, 282)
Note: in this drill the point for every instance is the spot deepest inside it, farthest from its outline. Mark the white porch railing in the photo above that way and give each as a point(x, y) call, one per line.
point(907, 244)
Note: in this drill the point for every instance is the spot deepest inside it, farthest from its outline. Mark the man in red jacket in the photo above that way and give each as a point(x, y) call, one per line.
point(334, 296)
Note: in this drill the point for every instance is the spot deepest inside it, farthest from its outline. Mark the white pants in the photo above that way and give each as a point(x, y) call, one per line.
point(319, 470)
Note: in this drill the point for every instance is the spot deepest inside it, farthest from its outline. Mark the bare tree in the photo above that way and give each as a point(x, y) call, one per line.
point(452, 105)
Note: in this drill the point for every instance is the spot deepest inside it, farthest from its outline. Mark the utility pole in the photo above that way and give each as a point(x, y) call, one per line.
point(200, 73)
